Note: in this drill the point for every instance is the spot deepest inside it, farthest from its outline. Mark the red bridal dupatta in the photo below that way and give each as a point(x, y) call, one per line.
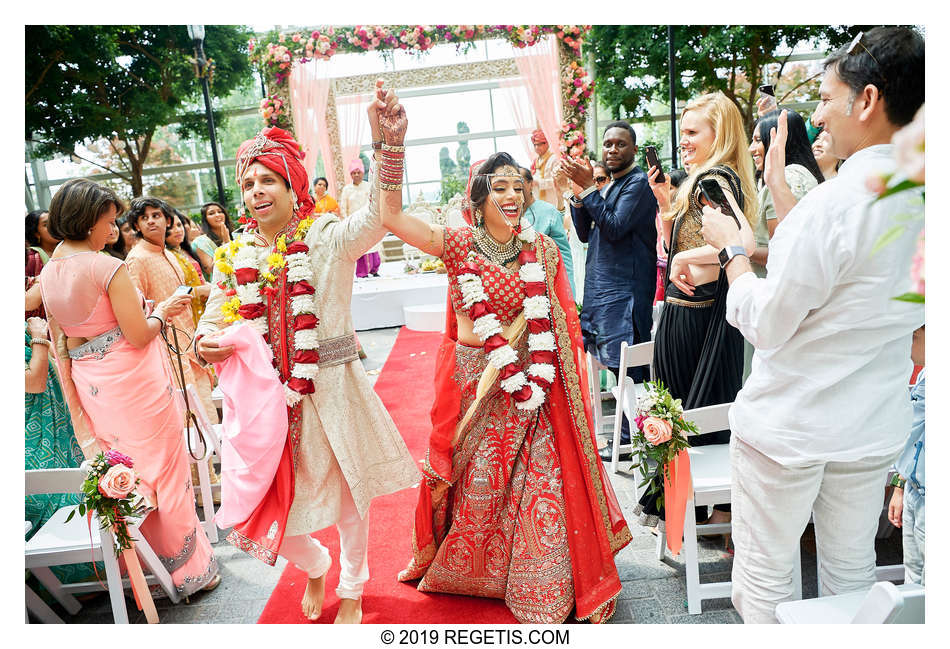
point(596, 528)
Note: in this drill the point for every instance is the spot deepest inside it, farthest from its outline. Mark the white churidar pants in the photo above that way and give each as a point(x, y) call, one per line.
point(313, 558)
point(771, 504)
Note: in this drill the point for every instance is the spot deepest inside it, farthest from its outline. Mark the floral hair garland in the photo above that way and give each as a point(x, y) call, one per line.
point(249, 275)
point(526, 387)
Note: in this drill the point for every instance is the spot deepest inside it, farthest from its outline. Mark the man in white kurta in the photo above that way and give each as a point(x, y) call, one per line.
point(825, 411)
point(349, 450)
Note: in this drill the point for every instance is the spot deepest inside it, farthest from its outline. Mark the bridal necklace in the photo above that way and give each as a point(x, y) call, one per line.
point(498, 253)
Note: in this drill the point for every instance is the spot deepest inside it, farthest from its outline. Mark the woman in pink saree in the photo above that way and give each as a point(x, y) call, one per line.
point(116, 377)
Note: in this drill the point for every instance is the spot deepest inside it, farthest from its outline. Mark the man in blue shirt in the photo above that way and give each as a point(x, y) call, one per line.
point(620, 229)
point(906, 509)
point(547, 219)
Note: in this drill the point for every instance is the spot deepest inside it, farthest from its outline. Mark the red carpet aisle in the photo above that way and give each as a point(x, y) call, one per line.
point(406, 388)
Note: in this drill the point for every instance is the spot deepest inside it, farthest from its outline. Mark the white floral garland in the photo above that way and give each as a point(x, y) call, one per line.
point(243, 255)
point(535, 308)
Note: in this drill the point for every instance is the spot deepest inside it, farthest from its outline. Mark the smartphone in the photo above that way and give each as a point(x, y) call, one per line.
point(654, 161)
point(715, 197)
point(183, 290)
point(767, 90)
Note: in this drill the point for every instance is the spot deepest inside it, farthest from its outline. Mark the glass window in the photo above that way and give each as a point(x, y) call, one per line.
point(438, 115)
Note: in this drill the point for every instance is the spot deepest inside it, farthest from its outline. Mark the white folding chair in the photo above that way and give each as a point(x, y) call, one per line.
point(210, 434)
point(884, 603)
point(596, 395)
point(626, 393)
point(59, 543)
point(217, 397)
point(36, 605)
point(711, 478)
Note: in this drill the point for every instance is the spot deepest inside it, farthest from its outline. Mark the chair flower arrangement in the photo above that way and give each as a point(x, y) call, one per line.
point(109, 491)
point(660, 435)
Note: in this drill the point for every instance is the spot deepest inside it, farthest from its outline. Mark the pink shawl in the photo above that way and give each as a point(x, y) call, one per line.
point(252, 437)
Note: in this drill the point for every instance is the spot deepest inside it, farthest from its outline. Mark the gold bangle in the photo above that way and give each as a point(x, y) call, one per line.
point(392, 148)
point(389, 187)
point(39, 341)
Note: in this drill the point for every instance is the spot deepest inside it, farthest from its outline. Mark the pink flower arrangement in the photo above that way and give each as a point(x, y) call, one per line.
point(272, 110)
point(117, 482)
point(661, 431)
point(573, 142)
point(108, 492)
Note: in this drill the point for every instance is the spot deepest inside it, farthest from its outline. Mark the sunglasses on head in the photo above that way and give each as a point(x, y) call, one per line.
point(859, 42)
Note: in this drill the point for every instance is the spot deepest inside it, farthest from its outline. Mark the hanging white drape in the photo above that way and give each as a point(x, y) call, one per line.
point(538, 67)
point(354, 126)
point(516, 97)
point(309, 89)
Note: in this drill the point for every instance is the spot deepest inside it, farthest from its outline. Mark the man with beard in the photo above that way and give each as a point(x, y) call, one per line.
point(620, 272)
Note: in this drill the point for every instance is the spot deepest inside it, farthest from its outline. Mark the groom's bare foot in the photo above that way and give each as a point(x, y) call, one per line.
point(351, 611)
point(312, 602)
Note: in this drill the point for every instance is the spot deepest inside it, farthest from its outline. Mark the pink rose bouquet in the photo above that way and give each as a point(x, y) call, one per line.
point(661, 432)
point(109, 493)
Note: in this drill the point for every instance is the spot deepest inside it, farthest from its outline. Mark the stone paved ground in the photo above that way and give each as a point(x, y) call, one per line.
point(653, 591)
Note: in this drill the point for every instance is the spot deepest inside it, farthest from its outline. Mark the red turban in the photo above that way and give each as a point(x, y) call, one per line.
point(537, 137)
point(277, 150)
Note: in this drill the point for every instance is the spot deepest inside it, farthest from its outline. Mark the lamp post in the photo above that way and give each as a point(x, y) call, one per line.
point(674, 140)
point(197, 35)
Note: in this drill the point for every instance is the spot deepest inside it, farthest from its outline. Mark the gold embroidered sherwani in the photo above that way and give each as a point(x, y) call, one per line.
point(347, 437)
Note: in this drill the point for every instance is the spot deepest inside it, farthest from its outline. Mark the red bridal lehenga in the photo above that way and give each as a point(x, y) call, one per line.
point(519, 508)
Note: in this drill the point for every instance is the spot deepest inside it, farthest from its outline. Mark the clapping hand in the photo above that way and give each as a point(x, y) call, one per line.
point(580, 171)
point(774, 170)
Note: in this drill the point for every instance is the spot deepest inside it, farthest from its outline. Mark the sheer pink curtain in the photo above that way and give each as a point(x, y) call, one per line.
point(516, 97)
point(538, 67)
point(354, 127)
point(309, 89)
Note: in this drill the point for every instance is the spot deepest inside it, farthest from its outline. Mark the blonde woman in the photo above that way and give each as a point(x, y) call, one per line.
point(698, 354)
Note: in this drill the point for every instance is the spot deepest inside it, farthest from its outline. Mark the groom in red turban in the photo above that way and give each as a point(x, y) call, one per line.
point(289, 276)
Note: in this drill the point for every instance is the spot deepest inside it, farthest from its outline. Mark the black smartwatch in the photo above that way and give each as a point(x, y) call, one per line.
point(726, 254)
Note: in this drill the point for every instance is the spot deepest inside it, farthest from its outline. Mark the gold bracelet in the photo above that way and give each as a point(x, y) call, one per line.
point(39, 341)
point(390, 187)
point(393, 148)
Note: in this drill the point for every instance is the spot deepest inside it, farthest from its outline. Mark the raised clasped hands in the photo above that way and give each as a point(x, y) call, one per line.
point(774, 169)
point(387, 117)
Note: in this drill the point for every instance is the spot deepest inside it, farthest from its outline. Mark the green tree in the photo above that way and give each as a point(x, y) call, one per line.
point(631, 61)
point(122, 82)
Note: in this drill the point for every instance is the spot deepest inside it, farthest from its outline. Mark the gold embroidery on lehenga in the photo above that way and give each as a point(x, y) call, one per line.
point(502, 532)
point(570, 376)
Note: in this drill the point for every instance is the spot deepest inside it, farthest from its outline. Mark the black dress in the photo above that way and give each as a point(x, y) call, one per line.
point(697, 354)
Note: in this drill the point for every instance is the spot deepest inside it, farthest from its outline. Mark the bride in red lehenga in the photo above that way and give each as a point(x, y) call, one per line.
point(515, 503)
